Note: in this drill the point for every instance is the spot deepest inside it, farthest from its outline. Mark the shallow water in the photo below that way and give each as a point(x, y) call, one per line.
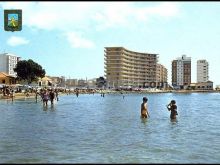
point(93, 129)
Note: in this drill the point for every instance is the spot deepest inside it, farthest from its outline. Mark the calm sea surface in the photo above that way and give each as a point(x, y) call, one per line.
point(93, 129)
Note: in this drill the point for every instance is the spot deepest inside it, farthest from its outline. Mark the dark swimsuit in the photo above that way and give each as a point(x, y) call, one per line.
point(173, 112)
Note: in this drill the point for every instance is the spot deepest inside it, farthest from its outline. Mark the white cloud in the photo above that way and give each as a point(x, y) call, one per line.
point(77, 41)
point(126, 14)
point(66, 15)
point(53, 15)
point(114, 15)
point(16, 41)
point(90, 16)
point(164, 9)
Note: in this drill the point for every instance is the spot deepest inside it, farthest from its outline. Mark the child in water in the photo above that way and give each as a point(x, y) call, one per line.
point(173, 108)
point(144, 111)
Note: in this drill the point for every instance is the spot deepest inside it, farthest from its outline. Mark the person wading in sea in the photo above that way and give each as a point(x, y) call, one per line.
point(144, 111)
point(173, 109)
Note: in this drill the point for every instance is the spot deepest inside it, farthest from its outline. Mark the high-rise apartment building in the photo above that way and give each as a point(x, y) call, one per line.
point(8, 63)
point(202, 71)
point(125, 68)
point(161, 76)
point(181, 72)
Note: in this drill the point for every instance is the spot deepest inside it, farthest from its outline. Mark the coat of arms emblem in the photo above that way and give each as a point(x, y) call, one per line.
point(13, 20)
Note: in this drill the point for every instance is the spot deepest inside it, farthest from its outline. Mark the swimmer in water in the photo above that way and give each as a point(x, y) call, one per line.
point(144, 111)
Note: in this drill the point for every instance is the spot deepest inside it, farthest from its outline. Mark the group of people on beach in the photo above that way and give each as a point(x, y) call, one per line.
point(172, 107)
point(46, 95)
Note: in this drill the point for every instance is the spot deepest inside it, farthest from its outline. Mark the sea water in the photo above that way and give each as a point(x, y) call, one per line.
point(95, 129)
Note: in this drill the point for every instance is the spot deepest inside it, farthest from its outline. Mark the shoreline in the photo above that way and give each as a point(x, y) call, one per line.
point(32, 95)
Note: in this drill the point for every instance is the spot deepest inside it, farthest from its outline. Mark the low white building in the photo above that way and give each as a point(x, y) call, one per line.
point(217, 87)
point(202, 86)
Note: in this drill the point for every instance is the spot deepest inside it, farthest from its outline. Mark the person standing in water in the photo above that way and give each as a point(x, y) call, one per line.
point(45, 97)
point(173, 109)
point(52, 96)
point(77, 93)
point(56, 94)
point(144, 111)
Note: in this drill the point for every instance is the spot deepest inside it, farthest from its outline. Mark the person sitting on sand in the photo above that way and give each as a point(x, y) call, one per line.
point(144, 111)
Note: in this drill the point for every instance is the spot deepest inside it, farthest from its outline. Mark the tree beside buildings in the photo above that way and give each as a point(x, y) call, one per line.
point(29, 71)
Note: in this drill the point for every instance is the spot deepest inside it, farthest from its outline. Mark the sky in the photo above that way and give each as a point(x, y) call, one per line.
point(68, 38)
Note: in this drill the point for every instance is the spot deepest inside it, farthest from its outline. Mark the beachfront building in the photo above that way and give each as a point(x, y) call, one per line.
point(57, 81)
point(161, 77)
point(45, 82)
point(82, 83)
point(202, 71)
point(126, 68)
point(208, 85)
point(8, 62)
point(71, 82)
point(91, 83)
point(6, 79)
point(181, 72)
point(217, 87)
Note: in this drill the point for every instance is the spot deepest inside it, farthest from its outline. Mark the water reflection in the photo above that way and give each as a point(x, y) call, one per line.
point(45, 107)
point(173, 121)
point(52, 108)
point(144, 120)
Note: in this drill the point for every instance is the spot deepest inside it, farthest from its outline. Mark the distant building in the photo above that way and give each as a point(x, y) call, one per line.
point(202, 86)
point(6, 79)
point(181, 72)
point(57, 81)
point(62, 82)
point(217, 87)
point(91, 83)
point(161, 76)
point(125, 68)
point(202, 71)
point(8, 62)
point(71, 82)
point(52, 81)
point(45, 81)
point(82, 83)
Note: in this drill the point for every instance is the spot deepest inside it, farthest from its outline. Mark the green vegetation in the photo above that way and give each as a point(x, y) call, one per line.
point(29, 71)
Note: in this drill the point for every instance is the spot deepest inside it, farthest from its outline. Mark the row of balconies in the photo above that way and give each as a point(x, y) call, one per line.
point(129, 67)
point(121, 49)
point(131, 74)
point(112, 70)
point(131, 62)
point(138, 54)
point(128, 81)
point(116, 57)
point(117, 77)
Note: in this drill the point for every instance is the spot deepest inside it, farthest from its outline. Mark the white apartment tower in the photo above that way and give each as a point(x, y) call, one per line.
point(8, 63)
point(202, 71)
